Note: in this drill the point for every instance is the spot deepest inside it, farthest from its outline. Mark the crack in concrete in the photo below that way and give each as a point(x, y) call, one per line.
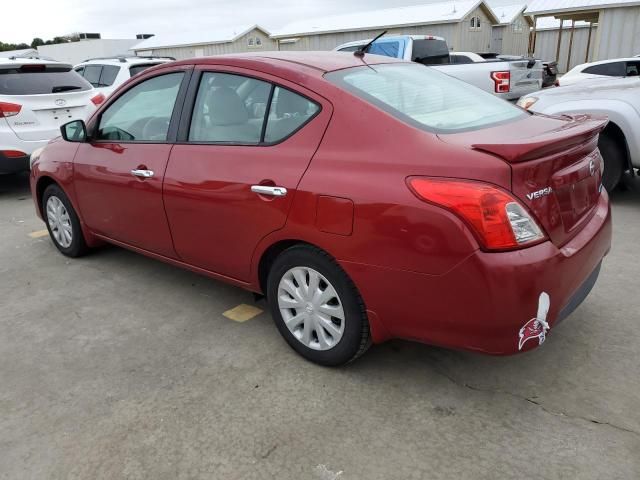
point(557, 413)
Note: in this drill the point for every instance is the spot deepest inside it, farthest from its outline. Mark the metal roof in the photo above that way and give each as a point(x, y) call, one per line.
point(197, 37)
point(431, 13)
point(507, 13)
point(549, 7)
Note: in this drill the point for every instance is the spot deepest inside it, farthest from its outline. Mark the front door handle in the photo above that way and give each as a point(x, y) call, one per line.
point(142, 173)
point(266, 190)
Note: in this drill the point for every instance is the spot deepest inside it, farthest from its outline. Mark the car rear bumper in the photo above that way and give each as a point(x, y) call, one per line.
point(484, 302)
point(18, 164)
point(13, 164)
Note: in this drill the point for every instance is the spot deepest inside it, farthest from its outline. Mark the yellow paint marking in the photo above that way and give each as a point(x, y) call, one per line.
point(39, 234)
point(242, 313)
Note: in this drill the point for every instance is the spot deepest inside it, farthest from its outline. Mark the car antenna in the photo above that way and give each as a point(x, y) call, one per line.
point(362, 50)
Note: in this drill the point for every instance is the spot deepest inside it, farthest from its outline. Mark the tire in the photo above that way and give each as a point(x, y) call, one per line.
point(61, 217)
point(614, 157)
point(327, 329)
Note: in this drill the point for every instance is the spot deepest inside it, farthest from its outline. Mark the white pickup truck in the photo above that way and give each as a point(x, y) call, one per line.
point(506, 79)
point(618, 99)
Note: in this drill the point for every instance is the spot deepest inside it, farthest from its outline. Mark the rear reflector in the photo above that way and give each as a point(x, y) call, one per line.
point(98, 99)
point(496, 218)
point(13, 153)
point(9, 109)
point(502, 81)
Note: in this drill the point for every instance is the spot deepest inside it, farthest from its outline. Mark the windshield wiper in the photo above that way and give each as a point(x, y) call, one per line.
point(64, 88)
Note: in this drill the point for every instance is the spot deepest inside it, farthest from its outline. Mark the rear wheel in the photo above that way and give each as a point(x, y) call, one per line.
point(316, 307)
point(614, 157)
point(62, 222)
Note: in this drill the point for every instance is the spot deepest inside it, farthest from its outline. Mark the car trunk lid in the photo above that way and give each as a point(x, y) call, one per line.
point(555, 164)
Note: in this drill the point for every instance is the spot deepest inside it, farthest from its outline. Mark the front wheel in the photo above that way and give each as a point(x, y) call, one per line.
point(316, 307)
point(62, 222)
point(614, 157)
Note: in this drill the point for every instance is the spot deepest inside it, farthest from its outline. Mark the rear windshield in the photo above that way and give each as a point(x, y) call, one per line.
point(136, 69)
point(430, 52)
point(18, 82)
point(425, 98)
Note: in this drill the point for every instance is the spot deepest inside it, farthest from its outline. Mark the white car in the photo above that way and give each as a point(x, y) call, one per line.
point(37, 97)
point(618, 99)
point(617, 67)
point(108, 73)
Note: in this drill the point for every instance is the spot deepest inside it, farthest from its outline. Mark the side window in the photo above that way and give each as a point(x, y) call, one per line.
point(229, 109)
point(288, 113)
point(613, 69)
point(388, 49)
point(633, 69)
point(92, 74)
point(352, 48)
point(143, 113)
point(108, 75)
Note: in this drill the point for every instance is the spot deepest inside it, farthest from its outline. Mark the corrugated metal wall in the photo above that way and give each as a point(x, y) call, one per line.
point(240, 45)
point(512, 42)
point(547, 42)
point(620, 29)
point(474, 40)
point(329, 41)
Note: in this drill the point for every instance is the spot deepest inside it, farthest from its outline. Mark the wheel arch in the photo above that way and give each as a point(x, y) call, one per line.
point(41, 185)
point(614, 131)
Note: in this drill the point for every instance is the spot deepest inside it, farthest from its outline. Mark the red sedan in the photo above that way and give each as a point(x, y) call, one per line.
point(366, 198)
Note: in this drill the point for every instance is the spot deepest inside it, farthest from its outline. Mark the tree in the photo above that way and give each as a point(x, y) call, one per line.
point(36, 42)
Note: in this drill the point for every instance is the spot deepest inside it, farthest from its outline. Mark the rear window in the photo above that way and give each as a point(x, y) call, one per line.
point(430, 52)
point(136, 69)
point(17, 81)
point(614, 69)
point(425, 98)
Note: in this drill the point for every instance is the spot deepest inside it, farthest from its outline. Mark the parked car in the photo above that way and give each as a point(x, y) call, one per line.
point(619, 100)
point(549, 69)
point(367, 198)
point(616, 67)
point(36, 97)
point(508, 80)
point(108, 73)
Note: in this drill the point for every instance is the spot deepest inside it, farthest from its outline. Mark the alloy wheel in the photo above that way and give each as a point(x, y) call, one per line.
point(59, 222)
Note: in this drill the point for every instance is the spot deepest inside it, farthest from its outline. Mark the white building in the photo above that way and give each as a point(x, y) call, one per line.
point(510, 35)
point(76, 52)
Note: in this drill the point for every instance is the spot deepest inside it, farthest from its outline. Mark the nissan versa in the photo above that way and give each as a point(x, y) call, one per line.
point(367, 198)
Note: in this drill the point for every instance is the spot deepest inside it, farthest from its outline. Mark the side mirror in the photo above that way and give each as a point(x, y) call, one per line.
point(75, 131)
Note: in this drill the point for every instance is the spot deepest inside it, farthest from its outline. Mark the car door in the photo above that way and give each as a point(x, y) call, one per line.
point(118, 173)
point(246, 140)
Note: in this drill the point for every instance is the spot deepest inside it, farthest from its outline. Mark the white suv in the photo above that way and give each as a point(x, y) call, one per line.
point(108, 73)
point(616, 67)
point(37, 97)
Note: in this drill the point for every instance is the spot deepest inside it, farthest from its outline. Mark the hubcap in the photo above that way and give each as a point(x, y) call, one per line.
point(59, 222)
point(311, 308)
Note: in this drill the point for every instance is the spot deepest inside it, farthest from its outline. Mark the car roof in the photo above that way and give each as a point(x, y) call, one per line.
point(391, 38)
point(30, 61)
point(589, 88)
point(321, 62)
point(124, 59)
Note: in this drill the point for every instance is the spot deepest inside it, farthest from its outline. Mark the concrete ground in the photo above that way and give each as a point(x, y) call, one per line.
point(117, 366)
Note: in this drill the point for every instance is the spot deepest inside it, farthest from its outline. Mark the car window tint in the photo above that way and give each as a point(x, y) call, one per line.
point(92, 74)
point(613, 69)
point(288, 113)
point(35, 82)
point(136, 69)
point(108, 76)
point(143, 113)
point(229, 109)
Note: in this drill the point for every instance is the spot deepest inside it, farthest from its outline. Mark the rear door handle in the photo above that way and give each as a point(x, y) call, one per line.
point(266, 190)
point(142, 173)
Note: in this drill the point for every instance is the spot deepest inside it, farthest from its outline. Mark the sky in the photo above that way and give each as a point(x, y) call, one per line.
point(125, 18)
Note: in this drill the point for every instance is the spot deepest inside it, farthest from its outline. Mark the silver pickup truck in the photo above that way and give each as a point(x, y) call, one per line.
point(506, 79)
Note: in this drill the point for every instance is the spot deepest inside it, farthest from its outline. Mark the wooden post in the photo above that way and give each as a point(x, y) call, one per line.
point(532, 37)
point(559, 41)
point(573, 27)
point(586, 57)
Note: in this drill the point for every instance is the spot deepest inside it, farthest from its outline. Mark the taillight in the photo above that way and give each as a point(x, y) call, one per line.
point(496, 218)
point(9, 109)
point(556, 83)
point(13, 153)
point(502, 81)
point(98, 99)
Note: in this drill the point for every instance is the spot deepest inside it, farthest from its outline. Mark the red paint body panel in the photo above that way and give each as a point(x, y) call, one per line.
point(420, 271)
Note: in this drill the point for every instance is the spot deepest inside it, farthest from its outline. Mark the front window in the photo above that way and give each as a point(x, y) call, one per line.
point(425, 98)
point(143, 113)
point(475, 24)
